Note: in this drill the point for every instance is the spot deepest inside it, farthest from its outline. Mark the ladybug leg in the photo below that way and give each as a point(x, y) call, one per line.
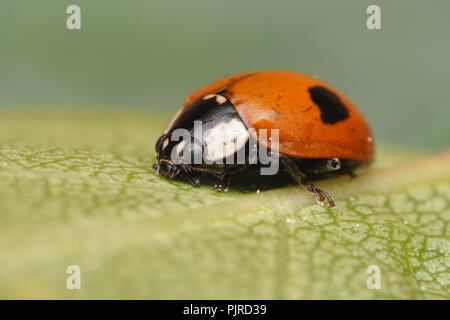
point(319, 194)
point(300, 177)
point(224, 183)
point(175, 172)
point(347, 172)
point(191, 176)
point(194, 179)
point(223, 176)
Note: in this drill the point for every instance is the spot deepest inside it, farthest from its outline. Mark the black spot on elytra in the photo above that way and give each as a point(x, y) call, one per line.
point(331, 107)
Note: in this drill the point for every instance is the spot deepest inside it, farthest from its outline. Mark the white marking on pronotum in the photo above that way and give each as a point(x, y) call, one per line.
point(224, 139)
point(165, 143)
point(180, 147)
point(370, 139)
point(209, 96)
point(219, 99)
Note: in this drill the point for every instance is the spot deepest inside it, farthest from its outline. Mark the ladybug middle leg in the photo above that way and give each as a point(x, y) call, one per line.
point(300, 178)
point(194, 179)
point(346, 172)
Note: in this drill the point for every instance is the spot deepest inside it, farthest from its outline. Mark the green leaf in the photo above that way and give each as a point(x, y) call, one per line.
point(77, 188)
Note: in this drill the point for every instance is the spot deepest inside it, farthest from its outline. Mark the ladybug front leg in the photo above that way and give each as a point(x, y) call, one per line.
point(194, 179)
point(300, 177)
point(223, 176)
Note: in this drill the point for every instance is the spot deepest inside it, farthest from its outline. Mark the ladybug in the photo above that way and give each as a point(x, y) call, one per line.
point(320, 131)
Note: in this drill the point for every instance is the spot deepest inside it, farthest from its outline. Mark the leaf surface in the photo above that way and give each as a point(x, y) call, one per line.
point(77, 188)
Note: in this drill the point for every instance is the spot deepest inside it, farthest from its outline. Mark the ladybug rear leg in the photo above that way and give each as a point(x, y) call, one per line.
point(319, 194)
point(300, 177)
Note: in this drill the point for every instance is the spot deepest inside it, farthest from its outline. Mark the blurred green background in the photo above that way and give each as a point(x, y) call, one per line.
point(151, 54)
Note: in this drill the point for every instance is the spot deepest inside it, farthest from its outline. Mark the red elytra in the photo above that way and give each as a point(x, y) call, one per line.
point(282, 100)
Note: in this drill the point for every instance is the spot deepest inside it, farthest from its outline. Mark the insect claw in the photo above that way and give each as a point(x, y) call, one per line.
point(320, 196)
point(327, 196)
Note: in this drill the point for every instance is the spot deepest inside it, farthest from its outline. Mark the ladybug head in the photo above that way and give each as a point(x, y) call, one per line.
point(167, 168)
